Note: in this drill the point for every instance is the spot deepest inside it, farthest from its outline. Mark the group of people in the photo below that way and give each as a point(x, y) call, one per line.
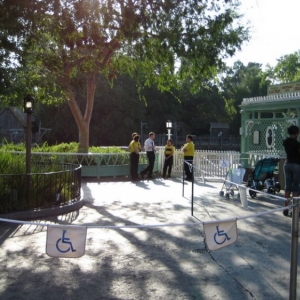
point(291, 166)
point(149, 146)
point(135, 148)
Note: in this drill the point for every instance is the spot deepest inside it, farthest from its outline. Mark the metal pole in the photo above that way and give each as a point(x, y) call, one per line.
point(176, 131)
point(141, 132)
point(294, 249)
point(142, 125)
point(169, 133)
point(183, 178)
point(193, 191)
point(28, 143)
point(28, 154)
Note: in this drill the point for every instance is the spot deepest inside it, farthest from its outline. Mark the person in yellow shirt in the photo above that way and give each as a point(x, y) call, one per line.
point(132, 136)
point(134, 149)
point(188, 153)
point(169, 152)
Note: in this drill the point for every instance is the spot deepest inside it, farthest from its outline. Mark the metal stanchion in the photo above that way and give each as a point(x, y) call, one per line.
point(192, 190)
point(294, 249)
point(183, 177)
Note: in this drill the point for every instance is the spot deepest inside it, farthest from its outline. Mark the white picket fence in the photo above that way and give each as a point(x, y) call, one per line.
point(208, 165)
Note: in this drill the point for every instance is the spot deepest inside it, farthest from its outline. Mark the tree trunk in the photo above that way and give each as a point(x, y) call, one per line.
point(83, 121)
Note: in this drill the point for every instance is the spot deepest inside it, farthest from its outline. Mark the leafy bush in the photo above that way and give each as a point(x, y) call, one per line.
point(60, 148)
point(70, 148)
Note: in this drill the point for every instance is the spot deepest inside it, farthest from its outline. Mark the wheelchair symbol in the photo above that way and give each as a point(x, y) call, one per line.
point(220, 236)
point(60, 244)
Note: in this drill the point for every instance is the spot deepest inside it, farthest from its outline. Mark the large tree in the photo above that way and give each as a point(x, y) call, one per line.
point(241, 82)
point(159, 42)
point(287, 68)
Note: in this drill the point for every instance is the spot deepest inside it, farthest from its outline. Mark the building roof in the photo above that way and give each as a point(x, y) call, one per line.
point(18, 114)
point(288, 97)
point(219, 125)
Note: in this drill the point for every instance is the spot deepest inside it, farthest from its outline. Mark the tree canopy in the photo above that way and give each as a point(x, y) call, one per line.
point(287, 68)
point(62, 45)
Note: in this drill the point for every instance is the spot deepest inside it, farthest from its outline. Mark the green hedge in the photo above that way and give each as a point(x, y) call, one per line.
point(61, 148)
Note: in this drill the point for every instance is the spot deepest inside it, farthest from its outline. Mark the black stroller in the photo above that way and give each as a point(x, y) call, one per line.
point(262, 177)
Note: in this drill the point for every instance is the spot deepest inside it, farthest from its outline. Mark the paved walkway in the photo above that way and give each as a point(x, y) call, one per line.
point(152, 263)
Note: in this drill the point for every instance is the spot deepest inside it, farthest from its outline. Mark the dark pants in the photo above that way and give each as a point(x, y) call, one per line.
point(168, 166)
point(188, 167)
point(151, 160)
point(134, 163)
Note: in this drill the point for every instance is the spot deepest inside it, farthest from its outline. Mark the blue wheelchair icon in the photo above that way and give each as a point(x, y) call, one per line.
point(220, 236)
point(62, 242)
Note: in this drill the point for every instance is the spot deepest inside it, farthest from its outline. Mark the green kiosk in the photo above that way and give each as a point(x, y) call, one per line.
point(264, 123)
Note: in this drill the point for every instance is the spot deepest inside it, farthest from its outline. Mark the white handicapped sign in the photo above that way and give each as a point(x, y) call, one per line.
point(220, 234)
point(62, 242)
point(66, 241)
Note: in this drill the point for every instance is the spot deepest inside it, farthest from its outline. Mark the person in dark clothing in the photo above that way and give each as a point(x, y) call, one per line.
point(134, 149)
point(150, 151)
point(188, 151)
point(169, 152)
point(292, 165)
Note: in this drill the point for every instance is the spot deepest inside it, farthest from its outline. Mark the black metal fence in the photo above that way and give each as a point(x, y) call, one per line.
point(36, 191)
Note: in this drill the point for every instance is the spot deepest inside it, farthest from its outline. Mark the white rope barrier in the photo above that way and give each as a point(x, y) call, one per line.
point(149, 225)
point(165, 225)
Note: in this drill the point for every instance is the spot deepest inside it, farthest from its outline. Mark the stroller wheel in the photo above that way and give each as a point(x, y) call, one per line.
point(238, 195)
point(277, 187)
point(232, 192)
point(285, 212)
point(227, 196)
point(221, 193)
point(252, 193)
point(271, 190)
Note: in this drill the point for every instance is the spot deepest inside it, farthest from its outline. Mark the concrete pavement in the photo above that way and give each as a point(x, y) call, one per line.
point(152, 263)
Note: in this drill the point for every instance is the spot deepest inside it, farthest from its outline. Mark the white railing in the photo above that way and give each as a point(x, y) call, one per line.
point(208, 164)
point(272, 98)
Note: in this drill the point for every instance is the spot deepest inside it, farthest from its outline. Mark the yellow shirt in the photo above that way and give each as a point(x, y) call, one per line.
point(169, 150)
point(134, 146)
point(190, 149)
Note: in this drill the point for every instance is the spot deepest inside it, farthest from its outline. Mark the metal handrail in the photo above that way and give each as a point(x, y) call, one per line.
point(36, 191)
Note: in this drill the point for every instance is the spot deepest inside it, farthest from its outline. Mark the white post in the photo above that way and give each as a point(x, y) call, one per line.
point(169, 127)
point(169, 133)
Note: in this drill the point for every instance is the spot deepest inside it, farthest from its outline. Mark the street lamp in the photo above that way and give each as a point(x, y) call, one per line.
point(28, 109)
point(169, 127)
point(142, 125)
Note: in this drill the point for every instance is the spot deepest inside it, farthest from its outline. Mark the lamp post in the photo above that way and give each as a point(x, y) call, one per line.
point(169, 127)
point(28, 109)
point(142, 125)
point(176, 127)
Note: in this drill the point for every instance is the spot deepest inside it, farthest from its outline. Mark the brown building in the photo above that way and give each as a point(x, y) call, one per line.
point(13, 123)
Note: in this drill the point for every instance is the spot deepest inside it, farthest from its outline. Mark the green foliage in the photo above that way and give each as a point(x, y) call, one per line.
point(46, 181)
point(15, 164)
point(64, 44)
point(241, 82)
point(287, 68)
point(60, 148)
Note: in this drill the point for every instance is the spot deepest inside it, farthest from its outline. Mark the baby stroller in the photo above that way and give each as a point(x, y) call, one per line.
point(234, 177)
point(262, 177)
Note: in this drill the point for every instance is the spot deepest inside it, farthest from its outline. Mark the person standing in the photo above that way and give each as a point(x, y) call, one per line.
point(188, 153)
point(292, 165)
point(169, 152)
point(149, 147)
point(132, 136)
point(134, 149)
